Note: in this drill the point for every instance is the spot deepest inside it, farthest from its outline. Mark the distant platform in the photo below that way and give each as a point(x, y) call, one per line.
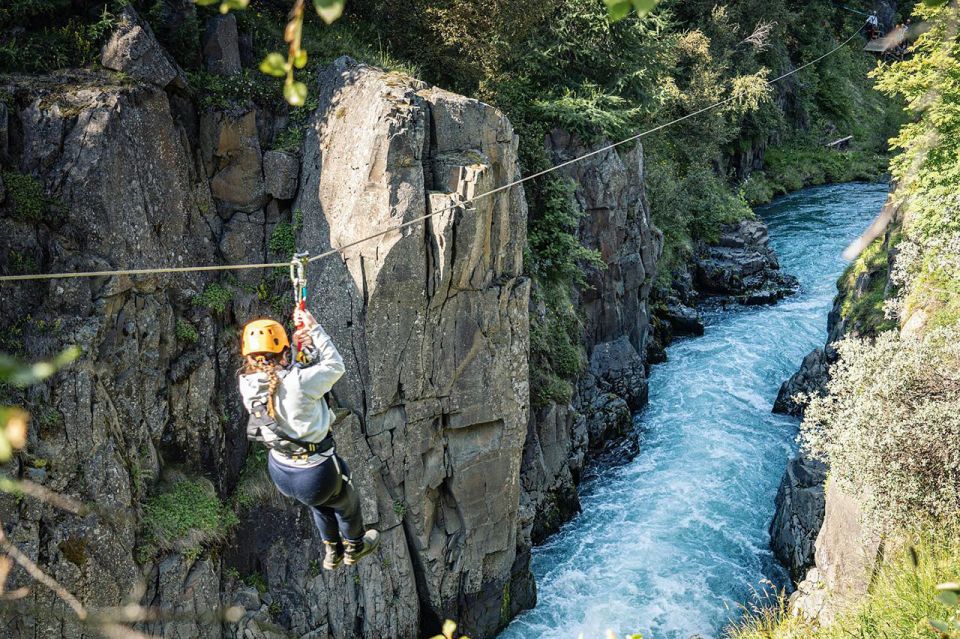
point(888, 43)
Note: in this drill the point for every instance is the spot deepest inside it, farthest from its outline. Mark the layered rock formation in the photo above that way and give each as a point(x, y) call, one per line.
point(432, 322)
point(614, 305)
point(742, 266)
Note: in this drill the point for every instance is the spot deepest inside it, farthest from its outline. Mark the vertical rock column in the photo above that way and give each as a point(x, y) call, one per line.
point(614, 306)
point(432, 322)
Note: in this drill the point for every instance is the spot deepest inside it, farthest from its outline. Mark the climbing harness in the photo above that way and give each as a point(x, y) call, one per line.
point(298, 278)
point(292, 447)
point(342, 249)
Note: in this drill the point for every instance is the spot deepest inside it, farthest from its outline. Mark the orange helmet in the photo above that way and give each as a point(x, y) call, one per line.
point(263, 336)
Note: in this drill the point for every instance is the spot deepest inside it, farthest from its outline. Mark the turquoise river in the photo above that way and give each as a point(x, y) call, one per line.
point(672, 543)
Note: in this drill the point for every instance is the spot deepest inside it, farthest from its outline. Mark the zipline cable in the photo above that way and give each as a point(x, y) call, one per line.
point(417, 220)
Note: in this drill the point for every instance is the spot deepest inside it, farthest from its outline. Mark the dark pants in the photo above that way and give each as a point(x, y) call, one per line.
point(332, 500)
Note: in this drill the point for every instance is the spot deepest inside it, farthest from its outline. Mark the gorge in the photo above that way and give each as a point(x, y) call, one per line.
point(671, 543)
point(500, 355)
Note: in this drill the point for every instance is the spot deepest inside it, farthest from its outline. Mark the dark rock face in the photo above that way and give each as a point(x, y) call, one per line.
point(811, 379)
point(742, 266)
point(615, 308)
point(281, 172)
point(134, 50)
point(799, 514)
point(432, 322)
point(221, 51)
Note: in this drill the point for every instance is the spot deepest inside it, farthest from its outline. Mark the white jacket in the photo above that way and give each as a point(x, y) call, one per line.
point(301, 410)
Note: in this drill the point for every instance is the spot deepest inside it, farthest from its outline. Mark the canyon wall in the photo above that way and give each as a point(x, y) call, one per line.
point(614, 305)
point(431, 320)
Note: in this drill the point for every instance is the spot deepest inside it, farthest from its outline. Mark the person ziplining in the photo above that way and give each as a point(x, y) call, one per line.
point(873, 26)
point(289, 414)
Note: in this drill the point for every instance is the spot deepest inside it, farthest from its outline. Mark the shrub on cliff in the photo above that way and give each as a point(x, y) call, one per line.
point(889, 426)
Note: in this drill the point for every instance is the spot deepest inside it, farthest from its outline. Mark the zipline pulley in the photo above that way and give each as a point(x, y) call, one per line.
point(298, 278)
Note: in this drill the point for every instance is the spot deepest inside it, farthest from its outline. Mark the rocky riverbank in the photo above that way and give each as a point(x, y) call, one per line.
point(817, 530)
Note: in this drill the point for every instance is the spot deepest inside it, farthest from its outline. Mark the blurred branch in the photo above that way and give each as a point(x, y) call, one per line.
point(760, 38)
point(38, 575)
point(30, 489)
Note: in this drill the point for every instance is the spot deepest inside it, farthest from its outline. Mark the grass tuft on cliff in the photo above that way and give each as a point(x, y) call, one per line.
point(185, 517)
point(901, 601)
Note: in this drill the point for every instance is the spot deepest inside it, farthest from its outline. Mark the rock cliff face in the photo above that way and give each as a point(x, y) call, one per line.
point(799, 514)
point(614, 305)
point(432, 322)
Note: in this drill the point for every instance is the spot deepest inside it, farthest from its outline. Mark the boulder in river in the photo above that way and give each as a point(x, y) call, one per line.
point(683, 319)
point(742, 266)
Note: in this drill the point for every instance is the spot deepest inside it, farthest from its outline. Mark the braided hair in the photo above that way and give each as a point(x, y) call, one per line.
point(269, 363)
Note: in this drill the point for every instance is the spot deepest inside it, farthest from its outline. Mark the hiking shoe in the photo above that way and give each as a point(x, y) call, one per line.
point(333, 555)
point(357, 550)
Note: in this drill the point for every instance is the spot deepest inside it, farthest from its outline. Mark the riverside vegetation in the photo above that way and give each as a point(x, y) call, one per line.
point(546, 64)
point(888, 423)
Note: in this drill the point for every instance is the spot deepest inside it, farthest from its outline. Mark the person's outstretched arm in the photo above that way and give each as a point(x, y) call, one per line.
point(325, 364)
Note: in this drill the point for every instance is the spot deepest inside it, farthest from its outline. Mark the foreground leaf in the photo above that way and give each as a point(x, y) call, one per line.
point(22, 375)
point(329, 10)
point(274, 64)
point(295, 93)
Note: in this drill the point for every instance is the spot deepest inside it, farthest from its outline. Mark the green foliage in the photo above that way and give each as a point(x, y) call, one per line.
point(927, 169)
point(214, 297)
point(687, 205)
point(556, 255)
point(863, 290)
point(399, 508)
point(27, 199)
point(254, 485)
point(20, 264)
point(221, 92)
point(42, 35)
point(906, 595)
point(592, 116)
point(791, 168)
point(186, 332)
point(185, 517)
point(283, 240)
point(620, 9)
point(949, 595)
point(256, 580)
point(888, 425)
point(556, 351)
